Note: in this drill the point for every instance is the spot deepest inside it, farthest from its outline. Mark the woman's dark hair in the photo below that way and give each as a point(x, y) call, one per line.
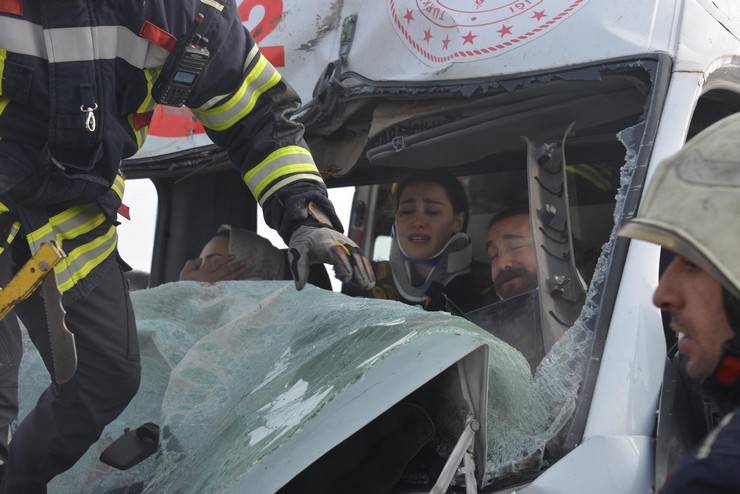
point(451, 185)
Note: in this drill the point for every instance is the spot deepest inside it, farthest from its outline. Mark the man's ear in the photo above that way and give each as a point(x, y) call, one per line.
point(459, 222)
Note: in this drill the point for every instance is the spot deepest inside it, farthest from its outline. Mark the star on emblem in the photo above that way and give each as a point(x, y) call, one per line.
point(504, 30)
point(427, 35)
point(409, 16)
point(468, 38)
point(446, 42)
point(538, 16)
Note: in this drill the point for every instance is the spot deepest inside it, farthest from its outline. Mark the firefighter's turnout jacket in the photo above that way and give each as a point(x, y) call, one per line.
point(76, 82)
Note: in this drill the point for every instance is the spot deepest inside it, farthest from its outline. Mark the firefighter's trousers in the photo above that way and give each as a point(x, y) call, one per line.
point(67, 418)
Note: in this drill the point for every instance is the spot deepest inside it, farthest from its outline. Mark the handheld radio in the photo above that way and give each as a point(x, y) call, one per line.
point(183, 68)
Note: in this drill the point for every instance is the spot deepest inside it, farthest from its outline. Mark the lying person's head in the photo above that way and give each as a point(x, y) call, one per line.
point(235, 254)
point(430, 209)
point(511, 251)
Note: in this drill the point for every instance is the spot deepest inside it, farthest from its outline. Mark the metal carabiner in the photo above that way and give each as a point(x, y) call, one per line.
point(90, 122)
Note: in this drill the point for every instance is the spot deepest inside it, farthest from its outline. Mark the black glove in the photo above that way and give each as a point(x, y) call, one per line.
point(320, 245)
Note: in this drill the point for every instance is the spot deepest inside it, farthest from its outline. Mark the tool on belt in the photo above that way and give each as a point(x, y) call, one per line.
point(39, 272)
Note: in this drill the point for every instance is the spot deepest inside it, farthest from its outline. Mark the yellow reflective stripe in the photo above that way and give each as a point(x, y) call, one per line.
point(119, 186)
point(3, 57)
point(138, 134)
point(84, 259)
point(260, 79)
point(286, 181)
point(85, 227)
point(14, 229)
point(253, 53)
point(67, 225)
point(274, 157)
point(148, 104)
point(214, 4)
point(3, 103)
point(56, 221)
point(284, 161)
point(145, 107)
point(286, 170)
point(3, 208)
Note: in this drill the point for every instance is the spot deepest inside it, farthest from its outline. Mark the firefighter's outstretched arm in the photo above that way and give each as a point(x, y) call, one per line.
point(245, 106)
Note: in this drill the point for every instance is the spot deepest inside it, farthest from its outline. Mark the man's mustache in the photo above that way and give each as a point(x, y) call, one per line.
point(509, 274)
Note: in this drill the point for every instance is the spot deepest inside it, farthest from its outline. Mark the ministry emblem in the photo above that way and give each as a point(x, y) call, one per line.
point(443, 31)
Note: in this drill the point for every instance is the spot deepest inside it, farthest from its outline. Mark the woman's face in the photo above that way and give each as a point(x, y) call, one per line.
point(425, 220)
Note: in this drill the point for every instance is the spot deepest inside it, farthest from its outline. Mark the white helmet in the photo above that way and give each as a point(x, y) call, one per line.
point(692, 204)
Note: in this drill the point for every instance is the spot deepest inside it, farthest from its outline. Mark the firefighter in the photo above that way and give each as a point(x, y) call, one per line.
point(79, 82)
point(690, 209)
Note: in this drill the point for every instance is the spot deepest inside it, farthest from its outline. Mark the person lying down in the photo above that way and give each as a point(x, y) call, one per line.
point(236, 254)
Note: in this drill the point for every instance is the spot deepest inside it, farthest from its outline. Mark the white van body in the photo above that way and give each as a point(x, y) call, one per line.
point(395, 41)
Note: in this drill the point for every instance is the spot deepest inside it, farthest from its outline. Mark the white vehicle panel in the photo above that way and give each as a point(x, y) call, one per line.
point(702, 42)
point(602, 464)
point(627, 406)
point(631, 373)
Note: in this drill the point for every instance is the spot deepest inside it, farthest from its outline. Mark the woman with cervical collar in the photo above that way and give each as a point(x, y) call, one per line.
point(431, 261)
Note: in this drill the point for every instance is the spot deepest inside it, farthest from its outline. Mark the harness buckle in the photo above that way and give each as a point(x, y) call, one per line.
point(90, 122)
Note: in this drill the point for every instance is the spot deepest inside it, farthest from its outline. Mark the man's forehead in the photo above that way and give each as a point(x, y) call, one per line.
point(517, 224)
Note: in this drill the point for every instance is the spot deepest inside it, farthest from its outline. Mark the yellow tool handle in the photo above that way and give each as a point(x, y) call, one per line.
point(30, 276)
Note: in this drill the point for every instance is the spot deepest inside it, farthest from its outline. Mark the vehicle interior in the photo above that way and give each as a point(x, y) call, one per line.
point(378, 134)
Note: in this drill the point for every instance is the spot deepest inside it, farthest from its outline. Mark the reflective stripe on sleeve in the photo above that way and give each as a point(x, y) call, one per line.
point(3, 56)
point(217, 99)
point(3, 104)
point(119, 186)
point(287, 181)
point(14, 229)
point(259, 80)
point(79, 44)
point(266, 178)
point(146, 106)
point(214, 4)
